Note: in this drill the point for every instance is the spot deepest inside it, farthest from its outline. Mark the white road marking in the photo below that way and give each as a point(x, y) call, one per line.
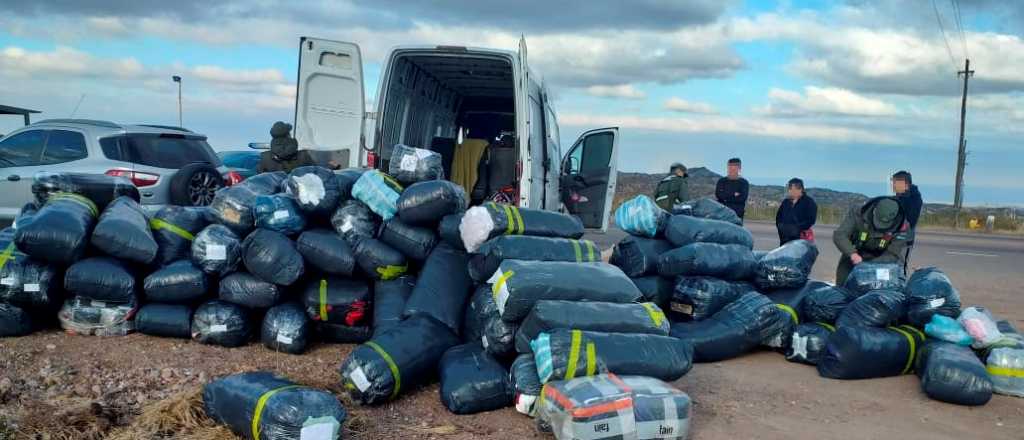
point(971, 254)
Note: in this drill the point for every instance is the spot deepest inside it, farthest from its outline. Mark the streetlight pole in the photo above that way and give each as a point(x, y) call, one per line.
point(177, 79)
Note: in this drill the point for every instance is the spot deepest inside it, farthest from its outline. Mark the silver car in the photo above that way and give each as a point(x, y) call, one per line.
point(169, 165)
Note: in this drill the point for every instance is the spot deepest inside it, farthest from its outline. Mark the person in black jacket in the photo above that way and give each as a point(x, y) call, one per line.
point(732, 190)
point(797, 214)
point(910, 200)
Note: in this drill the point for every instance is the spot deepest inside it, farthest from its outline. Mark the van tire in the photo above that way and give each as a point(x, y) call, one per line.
point(195, 184)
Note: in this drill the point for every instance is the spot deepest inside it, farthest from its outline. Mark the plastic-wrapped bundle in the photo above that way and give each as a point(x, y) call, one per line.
point(28, 211)
point(247, 290)
point(337, 301)
point(165, 320)
point(378, 260)
point(100, 188)
point(663, 357)
point(426, 203)
point(354, 221)
point(272, 257)
point(343, 334)
point(482, 223)
point(786, 267)
point(326, 251)
point(399, 358)
point(981, 326)
point(26, 282)
point(808, 342)
point(233, 206)
point(59, 232)
point(260, 405)
point(656, 289)
point(488, 256)
point(101, 279)
point(824, 302)
point(442, 288)
point(449, 231)
point(90, 317)
point(868, 352)
point(866, 277)
point(379, 192)
point(725, 261)
point(286, 328)
point(472, 381)
point(346, 178)
point(879, 308)
point(525, 384)
point(216, 250)
point(221, 323)
point(1006, 368)
point(411, 165)
point(783, 336)
point(14, 321)
point(640, 216)
point(315, 189)
point(265, 183)
point(123, 232)
point(638, 256)
point(548, 315)
point(736, 329)
point(708, 208)
point(682, 230)
point(278, 213)
point(608, 407)
point(389, 298)
point(699, 298)
point(929, 292)
point(518, 285)
point(174, 228)
point(180, 282)
point(953, 374)
point(484, 325)
point(412, 241)
point(947, 329)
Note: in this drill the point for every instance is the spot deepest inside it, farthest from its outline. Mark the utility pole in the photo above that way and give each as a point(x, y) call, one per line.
point(958, 197)
point(177, 79)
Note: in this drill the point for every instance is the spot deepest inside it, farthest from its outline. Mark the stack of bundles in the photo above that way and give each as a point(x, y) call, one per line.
point(171, 294)
point(740, 326)
point(482, 223)
point(613, 407)
point(104, 297)
point(397, 359)
point(866, 277)
point(263, 406)
point(28, 288)
point(340, 308)
point(233, 206)
point(641, 217)
point(577, 353)
point(100, 188)
point(472, 381)
point(930, 292)
point(682, 230)
point(315, 190)
point(786, 267)
point(174, 229)
point(485, 261)
point(869, 352)
point(711, 209)
point(953, 374)
point(410, 165)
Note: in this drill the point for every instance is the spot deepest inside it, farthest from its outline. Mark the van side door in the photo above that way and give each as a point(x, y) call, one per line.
point(330, 103)
point(589, 174)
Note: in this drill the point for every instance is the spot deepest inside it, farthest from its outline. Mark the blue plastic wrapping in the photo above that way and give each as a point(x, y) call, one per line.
point(379, 192)
point(640, 216)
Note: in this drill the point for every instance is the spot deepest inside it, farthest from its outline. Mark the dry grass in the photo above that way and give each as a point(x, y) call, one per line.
point(179, 417)
point(67, 419)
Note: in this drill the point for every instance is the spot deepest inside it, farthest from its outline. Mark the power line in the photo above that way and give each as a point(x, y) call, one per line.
point(942, 28)
point(960, 26)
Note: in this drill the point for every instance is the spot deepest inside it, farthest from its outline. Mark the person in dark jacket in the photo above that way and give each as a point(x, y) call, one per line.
point(284, 154)
point(673, 189)
point(797, 214)
point(732, 190)
point(910, 200)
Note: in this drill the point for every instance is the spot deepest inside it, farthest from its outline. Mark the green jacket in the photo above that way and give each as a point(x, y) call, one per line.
point(857, 234)
point(671, 191)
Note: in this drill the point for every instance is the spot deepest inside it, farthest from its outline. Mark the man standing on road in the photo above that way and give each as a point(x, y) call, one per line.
point(910, 199)
point(673, 189)
point(797, 214)
point(732, 190)
point(875, 232)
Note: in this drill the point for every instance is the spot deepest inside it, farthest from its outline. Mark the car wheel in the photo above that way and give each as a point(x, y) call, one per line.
point(195, 185)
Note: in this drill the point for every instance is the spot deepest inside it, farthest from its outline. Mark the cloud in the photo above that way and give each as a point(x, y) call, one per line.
point(64, 62)
point(623, 91)
point(817, 101)
point(683, 106)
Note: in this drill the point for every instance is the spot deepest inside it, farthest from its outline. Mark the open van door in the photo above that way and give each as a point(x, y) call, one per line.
point(589, 174)
point(330, 106)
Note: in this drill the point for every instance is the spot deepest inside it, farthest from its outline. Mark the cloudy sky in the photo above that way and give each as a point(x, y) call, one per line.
point(841, 93)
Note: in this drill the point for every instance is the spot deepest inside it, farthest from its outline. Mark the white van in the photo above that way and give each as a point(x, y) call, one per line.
point(434, 97)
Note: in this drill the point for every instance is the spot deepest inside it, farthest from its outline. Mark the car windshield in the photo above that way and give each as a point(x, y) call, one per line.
point(162, 151)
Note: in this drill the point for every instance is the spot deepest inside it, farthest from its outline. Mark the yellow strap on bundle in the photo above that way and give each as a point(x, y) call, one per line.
point(157, 224)
point(792, 313)
point(84, 201)
point(262, 403)
point(1005, 371)
point(590, 251)
point(913, 348)
point(518, 216)
point(591, 359)
point(574, 354)
point(827, 325)
point(579, 251)
point(511, 227)
point(656, 315)
point(323, 300)
point(8, 254)
point(914, 330)
point(391, 364)
point(391, 272)
point(501, 282)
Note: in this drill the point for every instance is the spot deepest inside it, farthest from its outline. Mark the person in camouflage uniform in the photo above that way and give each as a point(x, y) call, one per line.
point(673, 189)
point(876, 232)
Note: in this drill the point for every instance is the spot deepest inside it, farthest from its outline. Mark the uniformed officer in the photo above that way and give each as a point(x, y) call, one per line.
point(673, 189)
point(875, 232)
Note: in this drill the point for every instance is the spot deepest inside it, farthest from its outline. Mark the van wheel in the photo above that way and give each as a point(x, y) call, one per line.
point(195, 185)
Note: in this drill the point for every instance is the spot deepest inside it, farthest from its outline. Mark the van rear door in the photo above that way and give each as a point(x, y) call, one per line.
point(330, 103)
point(589, 174)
